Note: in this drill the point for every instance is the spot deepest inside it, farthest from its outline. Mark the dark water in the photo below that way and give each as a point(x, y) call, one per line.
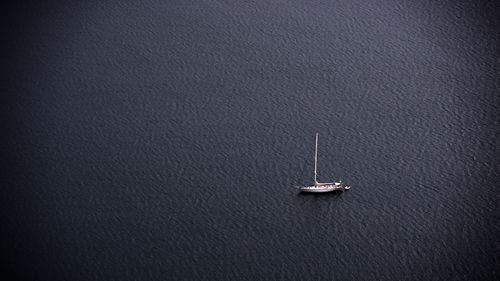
point(162, 140)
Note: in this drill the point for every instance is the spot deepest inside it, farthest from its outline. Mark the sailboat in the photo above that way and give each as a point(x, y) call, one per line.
point(321, 187)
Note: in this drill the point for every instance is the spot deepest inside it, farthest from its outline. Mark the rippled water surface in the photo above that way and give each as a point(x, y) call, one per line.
point(162, 140)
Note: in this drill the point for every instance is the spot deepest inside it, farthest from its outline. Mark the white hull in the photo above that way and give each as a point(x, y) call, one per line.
point(321, 188)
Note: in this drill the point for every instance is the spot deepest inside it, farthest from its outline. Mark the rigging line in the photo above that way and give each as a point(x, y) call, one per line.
point(301, 175)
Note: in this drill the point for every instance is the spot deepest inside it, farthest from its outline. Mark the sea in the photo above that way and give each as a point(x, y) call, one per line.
point(164, 140)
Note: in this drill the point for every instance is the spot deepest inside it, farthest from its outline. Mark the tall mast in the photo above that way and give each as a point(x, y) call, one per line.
point(315, 159)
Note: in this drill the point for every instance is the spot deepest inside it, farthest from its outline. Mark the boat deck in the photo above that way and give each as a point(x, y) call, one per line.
point(321, 188)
